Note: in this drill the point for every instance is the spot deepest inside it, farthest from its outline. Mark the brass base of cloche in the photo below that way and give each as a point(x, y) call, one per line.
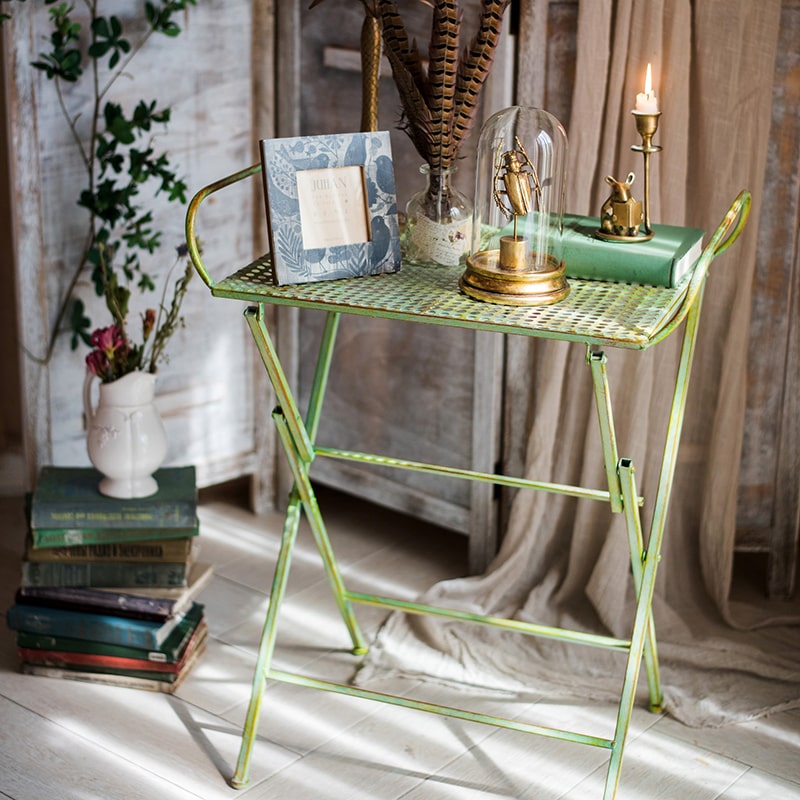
point(484, 279)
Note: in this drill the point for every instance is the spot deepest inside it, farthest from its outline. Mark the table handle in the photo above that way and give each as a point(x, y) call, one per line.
point(724, 236)
point(738, 212)
point(191, 216)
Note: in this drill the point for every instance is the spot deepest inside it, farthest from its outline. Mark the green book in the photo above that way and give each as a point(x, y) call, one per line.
point(72, 660)
point(67, 508)
point(72, 537)
point(66, 671)
point(169, 652)
point(130, 679)
point(665, 260)
point(97, 574)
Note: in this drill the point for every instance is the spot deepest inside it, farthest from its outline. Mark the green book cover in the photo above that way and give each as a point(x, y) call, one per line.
point(71, 537)
point(67, 499)
point(665, 260)
point(95, 661)
point(95, 574)
point(169, 652)
point(125, 678)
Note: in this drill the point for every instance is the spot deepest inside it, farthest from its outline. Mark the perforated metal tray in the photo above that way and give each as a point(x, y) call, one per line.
point(595, 312)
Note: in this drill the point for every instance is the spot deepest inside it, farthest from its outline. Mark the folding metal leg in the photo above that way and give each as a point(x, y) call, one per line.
point(302, 486)
point(602, 397)
point(297, 439)
point(267, 646)
point(636, 545)
point(651, 555)
point(622, 489)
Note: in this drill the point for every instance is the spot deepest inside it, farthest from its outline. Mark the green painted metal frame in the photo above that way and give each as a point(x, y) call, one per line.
point(298, 435)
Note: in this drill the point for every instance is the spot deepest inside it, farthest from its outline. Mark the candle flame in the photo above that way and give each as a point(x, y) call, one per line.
point(648, 81)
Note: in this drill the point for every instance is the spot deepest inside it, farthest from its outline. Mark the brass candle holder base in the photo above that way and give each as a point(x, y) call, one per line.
point(516, 285)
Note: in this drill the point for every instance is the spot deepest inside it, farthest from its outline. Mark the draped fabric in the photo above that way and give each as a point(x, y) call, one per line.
point(564, 561)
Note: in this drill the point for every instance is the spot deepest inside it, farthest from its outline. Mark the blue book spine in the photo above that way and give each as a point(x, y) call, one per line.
point(142, 634)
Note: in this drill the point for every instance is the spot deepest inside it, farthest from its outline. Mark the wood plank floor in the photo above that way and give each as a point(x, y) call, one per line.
point(62, 739)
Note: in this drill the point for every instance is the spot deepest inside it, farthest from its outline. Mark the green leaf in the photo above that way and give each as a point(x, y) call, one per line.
point(79, 324)
point(64, 64)
point(122, 130)
point(146, 284)
point(178, 192)
point(100, 27)
point(99, 49)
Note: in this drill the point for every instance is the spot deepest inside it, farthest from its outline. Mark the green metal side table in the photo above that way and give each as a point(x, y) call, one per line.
point(595, 313)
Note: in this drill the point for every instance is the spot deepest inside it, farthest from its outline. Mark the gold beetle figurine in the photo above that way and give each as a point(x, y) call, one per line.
point(514, 184)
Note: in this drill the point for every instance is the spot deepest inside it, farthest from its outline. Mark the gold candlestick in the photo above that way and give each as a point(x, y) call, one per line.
point(647, 125)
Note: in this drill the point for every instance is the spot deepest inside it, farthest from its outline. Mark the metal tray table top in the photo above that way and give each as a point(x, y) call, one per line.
point(595, 312)
point(624, 315)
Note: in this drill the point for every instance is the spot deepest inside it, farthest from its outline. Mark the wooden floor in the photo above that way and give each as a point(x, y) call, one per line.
point(62, 739)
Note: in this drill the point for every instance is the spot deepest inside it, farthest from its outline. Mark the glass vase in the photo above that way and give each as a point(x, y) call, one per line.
point(438, 220)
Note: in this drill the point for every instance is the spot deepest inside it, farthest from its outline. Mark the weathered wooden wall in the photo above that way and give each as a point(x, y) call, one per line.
point(416, 392)
point(217, 77)
point(769, 486)
point(10, 411)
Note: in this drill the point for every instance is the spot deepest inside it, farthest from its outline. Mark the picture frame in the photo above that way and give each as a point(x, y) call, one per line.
point(331, 206)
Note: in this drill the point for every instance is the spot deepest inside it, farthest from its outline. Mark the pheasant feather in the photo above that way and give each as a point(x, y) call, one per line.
point(442, 71)
point(396, 40)
point(416, 119)
point(474, 68)
point(439, 103)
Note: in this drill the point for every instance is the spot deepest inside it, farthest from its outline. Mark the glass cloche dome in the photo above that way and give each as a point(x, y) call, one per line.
point(518, 210)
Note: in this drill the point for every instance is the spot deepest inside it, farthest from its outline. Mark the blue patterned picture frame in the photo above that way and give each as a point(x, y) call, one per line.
point(282, 159)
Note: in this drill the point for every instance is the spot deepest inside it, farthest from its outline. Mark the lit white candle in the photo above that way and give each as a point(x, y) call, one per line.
point(646, 102)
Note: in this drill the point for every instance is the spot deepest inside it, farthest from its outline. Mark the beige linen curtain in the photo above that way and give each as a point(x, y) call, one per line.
point(565, 562)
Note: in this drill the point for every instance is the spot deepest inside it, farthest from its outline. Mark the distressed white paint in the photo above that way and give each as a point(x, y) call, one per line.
point(207, 76)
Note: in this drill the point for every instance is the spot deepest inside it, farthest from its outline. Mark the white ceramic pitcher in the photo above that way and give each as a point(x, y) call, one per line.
point(126, 438)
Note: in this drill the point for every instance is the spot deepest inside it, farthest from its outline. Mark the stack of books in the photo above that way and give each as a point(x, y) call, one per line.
point(108, 588)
